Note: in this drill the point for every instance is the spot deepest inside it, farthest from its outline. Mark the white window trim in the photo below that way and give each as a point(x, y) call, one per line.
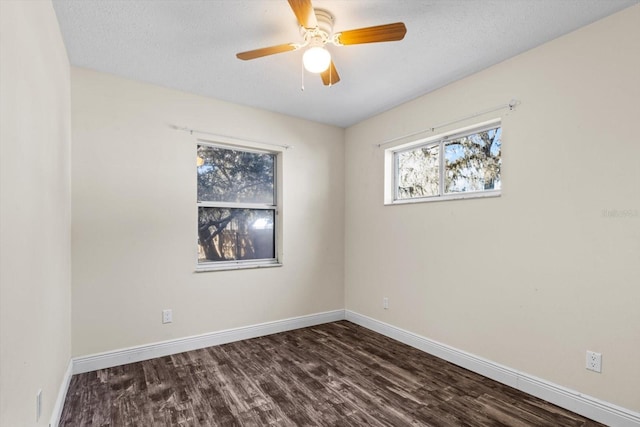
point(391, 172)
point(246, 264)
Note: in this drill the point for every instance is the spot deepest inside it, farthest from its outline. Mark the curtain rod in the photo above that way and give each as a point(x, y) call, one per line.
point(510, 105)
point(217, 135)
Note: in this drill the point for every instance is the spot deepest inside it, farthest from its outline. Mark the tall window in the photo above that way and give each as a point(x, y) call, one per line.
point(237, 207)
point(457, 165)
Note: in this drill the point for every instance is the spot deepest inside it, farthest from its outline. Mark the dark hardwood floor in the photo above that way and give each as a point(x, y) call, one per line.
point(336, 374)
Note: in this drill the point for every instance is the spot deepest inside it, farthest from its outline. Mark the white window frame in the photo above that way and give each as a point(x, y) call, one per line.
point(277, 208)
point(391, 166)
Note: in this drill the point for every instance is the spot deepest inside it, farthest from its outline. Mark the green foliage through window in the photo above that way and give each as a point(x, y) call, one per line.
point(464, 163)
point(236, 205)
point(226, 175)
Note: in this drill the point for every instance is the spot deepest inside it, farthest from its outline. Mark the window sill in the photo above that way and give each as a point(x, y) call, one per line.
point(235, 266)
point(456, 196)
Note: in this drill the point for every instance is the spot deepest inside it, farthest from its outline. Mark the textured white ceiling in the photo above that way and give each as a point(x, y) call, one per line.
point(190, 45)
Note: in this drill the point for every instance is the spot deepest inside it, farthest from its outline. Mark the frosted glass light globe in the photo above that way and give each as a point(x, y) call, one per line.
point(316, 59)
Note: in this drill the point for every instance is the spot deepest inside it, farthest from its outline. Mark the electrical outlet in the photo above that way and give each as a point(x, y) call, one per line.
point(38, 404)
point(594, 361)
point(385, 303)
point(167, 316)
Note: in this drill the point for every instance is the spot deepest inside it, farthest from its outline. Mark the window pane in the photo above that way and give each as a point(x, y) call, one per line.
point(472, 163)
point(226, 175)
point(235, 234)
point(418, 172)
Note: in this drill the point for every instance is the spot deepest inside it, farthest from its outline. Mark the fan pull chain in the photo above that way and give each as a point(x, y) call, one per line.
point(302, 77)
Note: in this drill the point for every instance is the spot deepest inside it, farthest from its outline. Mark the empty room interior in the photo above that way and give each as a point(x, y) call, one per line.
point(457, 192)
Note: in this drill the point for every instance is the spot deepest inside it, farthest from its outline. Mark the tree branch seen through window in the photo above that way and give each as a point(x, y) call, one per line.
point(236, 205)
point(465, 163)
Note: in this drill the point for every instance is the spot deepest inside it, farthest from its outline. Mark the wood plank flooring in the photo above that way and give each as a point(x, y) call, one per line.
point(336, 374)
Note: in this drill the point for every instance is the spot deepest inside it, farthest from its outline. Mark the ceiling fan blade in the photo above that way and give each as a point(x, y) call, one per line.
point(303, 10)
point(265, 51)
point(330, 75)
point(379, 33)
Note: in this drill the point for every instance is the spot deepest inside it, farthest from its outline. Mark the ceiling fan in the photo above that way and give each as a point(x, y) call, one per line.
point(316, 28)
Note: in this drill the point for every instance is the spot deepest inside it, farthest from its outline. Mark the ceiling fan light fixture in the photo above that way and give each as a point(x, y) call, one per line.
point(316, 59)
point(316, 29)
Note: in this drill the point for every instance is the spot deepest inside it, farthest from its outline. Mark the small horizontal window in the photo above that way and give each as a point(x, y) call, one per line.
point(456, 165)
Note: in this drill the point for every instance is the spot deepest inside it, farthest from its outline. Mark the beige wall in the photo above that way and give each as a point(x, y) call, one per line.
point(538, 276)
point(35, 266)
point(134, 217)
point(560, 278)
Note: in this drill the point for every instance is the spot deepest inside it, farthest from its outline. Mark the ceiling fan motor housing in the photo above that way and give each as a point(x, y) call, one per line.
point(325, 20)
point(320, 35)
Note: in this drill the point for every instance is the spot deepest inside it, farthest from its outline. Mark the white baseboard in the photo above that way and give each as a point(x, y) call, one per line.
point(165, 348)
point(572, 400)
point(62, 394)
